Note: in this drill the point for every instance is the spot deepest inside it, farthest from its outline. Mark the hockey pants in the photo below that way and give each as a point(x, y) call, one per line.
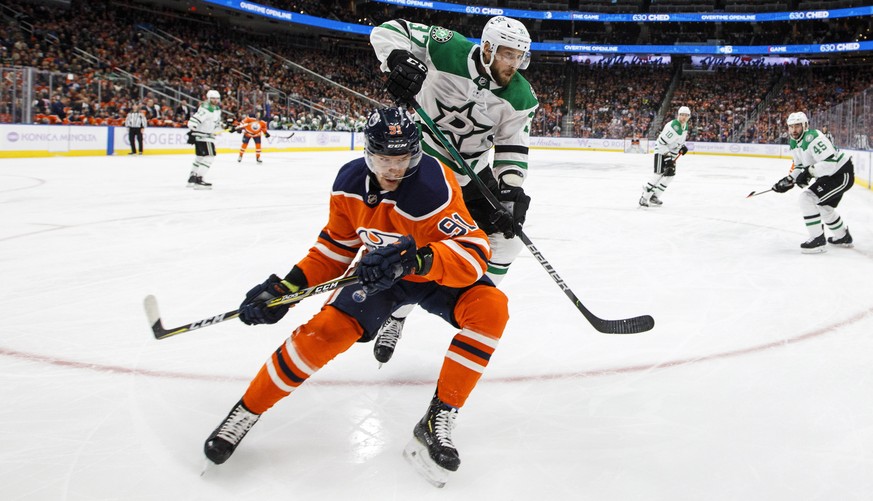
point(480, 312)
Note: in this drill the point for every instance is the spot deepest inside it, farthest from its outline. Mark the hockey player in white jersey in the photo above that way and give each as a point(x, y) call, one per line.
point(669, 146)
point(815, 157)
point(477, 98)
point(204, 125)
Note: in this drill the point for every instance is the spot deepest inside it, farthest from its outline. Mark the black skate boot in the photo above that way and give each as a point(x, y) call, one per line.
point(846, 241)
point(191, 179)
point(431, 451)
point(387, 339)
point(200, 184)
point(258, 160)
point(223, 441)
point(643, 201)
point(655, 201)
point(814, 245)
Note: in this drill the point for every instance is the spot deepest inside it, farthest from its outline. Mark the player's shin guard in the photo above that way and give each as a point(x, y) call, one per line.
point(661, 187)
point(310, 348)
point(833, 221)
point(482, 313)
point(811, 213)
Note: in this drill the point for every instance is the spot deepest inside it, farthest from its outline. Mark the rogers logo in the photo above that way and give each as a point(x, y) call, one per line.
point(12, 137)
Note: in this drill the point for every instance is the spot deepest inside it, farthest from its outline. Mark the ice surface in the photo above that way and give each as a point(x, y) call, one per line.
point(755, 383)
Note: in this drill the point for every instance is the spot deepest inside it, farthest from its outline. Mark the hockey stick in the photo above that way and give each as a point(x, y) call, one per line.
point(756, 193)
point(154, 316)
point(633, 325)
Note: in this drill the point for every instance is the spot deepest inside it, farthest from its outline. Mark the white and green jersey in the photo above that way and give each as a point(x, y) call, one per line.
point(467, 105)
point(815, 152)
point(672, 138)
point(206, 122)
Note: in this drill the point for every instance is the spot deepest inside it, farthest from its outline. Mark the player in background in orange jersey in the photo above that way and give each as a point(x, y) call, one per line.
point(251, 128)
point(422, 247)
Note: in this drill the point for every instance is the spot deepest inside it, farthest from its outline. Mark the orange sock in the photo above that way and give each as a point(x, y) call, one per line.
point(482, 313)
point(310, 347)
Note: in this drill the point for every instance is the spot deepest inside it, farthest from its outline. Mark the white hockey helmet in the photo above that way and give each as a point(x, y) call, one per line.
point(507, 32)
point(684, 110)
point(213, 93)
point(798, 117)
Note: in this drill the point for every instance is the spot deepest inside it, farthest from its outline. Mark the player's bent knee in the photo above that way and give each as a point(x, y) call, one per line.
point(483, 309)
point(807, 199)
point(326, 335)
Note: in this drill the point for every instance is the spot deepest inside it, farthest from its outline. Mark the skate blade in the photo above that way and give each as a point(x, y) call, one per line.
point(416, 455)
point(817, 250)
point(207, 465)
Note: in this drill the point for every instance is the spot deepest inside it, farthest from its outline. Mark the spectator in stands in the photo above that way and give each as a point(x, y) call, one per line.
point(57, 107)
point(153, 110)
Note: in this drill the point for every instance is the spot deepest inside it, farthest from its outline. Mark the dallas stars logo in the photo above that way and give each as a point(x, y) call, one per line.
point(441, 35)
point(459, 123)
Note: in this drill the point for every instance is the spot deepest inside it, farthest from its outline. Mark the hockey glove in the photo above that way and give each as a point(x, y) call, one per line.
point(803, 179)
point(784, 184)
point(254, 310)
point(381, 268)
point(407, 75)
point(515, 204)
point(191, 137)
point(683, 150)
point(266, 134)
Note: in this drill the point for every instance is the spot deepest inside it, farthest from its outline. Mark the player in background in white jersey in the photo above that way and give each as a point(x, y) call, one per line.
point(669, 147)
point(477, 98)
point(204, 125)
point(815, 157)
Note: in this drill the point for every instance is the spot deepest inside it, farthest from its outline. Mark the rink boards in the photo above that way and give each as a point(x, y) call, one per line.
point(25, 141)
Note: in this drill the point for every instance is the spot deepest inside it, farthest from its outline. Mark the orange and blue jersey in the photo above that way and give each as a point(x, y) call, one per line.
point(427, 205)
point(252, 127)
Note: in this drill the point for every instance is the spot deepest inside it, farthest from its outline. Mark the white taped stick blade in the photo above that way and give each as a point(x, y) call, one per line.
point(151, 309)
point(417, 456)
point(152, 313)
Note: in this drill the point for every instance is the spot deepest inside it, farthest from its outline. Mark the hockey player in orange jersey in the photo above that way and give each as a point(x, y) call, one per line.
point(251, 128)
point(422, 247)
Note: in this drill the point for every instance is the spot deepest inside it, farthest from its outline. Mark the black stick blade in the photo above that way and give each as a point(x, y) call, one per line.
point(634, 325)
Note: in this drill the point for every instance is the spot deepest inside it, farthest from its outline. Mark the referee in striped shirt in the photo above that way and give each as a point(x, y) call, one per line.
point(135, 123)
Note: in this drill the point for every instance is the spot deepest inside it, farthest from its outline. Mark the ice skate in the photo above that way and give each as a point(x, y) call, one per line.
point(258, 160)
point(386, 339)
point(846, 241)
point(814, 245)
point(239, 158)
point(191, 179)
point(200, 184)
point(655, 201)
point(643, 201)
point(224, 440)
point(431, 451)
